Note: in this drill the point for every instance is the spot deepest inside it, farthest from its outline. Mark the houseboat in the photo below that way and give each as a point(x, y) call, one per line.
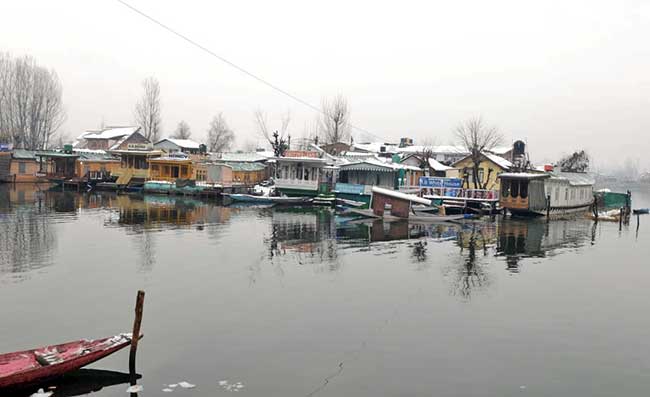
point(356, 179)
point(302, 173)
point(546, 194)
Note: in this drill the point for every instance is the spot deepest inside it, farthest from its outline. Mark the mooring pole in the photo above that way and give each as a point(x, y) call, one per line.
point(139, 303)
point(620, 219)
point(548, 207)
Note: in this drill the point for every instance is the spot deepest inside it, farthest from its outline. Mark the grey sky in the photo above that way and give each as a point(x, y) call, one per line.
point(561, 74)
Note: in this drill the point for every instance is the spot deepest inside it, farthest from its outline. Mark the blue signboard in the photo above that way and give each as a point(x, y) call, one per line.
point(432, 181)
point(5, 147)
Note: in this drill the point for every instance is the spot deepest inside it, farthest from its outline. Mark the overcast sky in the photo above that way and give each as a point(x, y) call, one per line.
point(560, 74)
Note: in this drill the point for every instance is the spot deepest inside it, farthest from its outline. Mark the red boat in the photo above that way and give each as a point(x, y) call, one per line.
point(37, 365)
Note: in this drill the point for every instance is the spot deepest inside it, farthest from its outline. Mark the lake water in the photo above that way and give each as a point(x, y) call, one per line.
point(305, 303)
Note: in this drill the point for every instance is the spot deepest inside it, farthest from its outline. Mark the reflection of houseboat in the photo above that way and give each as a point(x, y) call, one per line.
point(553, 193)
point(533, 238)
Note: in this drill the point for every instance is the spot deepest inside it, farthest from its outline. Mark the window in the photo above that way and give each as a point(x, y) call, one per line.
point(175, 172)
point(22, 168)
point(566, 194)
point(514, 188)
point(523, 189)
point(557, 194)
point(480, 175)
point(505, 188)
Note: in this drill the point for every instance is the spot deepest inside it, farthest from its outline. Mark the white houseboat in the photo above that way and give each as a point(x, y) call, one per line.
point(302, 173)
point(548, 193)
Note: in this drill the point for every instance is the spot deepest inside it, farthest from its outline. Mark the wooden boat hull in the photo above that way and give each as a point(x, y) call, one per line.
point(249, 198)
point(30, 366)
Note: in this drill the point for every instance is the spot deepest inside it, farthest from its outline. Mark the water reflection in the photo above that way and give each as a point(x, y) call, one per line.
point(315, 236)
point(82, 382)
point(519, 239)
point(27, 238)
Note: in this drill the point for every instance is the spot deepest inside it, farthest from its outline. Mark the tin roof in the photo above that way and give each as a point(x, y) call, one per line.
point(251, 167)
point(22, 154)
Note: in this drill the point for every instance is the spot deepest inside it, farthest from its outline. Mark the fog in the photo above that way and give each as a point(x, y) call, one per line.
point(561, 75)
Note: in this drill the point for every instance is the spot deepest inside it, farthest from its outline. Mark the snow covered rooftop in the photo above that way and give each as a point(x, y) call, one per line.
point(242, 157)
point(182, 143)
point(375, 147)
point(500, 150)
point(437, 149)
point(109, 133)
point(438, 166)
point(500, 161)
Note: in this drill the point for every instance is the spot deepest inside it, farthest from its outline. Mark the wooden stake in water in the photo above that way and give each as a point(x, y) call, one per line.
point(139, 303)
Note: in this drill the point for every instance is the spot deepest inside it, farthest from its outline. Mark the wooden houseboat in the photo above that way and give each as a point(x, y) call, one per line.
point(549, 193)
point(356, 179)
point(134, 152)
point(23, 166)
point(170, 168)
point(57, 167)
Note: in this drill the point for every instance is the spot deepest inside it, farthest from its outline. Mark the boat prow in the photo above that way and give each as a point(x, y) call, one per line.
point(37, 365)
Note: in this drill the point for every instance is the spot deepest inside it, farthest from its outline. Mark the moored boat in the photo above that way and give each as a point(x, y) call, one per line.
point(37, 365)
point(249, 198)
point(540, 194)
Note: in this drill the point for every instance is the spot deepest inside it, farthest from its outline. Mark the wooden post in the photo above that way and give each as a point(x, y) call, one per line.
point(620, 219)
point(139, 303)
point(548, 207)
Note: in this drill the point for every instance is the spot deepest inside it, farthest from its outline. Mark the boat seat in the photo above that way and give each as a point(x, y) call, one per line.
point(47, 358)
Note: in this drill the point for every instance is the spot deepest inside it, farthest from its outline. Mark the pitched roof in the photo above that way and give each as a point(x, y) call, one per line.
point(109, 132)
point(500, 161)
point(182, 143)
point(438, 166)
point(22, 154)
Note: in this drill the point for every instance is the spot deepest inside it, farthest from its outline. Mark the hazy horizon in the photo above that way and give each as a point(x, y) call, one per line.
point(562, 76)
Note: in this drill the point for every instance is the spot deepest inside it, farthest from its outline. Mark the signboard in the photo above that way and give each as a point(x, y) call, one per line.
point(5, 147)
point(432, 181)
point(138, 146)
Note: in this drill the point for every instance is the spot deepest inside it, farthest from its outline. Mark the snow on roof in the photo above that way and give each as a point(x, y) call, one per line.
point(22, 154)
point(375, 147)
point(375, 164)
point(182, 143)
point(498, 160)
point(109, 132)
point(523, 175)
point(574, 178)
point(500, 150)
point(241, 157)
point(438, 149)
point(438, 166)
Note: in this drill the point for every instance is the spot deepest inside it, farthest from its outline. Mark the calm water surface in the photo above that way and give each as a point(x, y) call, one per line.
point(306, 303)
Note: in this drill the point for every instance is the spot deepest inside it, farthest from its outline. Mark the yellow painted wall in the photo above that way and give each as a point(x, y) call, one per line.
point(31, 168)
point(486, 165)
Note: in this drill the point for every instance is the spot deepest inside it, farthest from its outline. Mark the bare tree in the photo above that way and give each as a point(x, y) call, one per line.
point(31, 105)
point(335, 120)
point(477, 138)
point(147, 110)
point(425, 153)
point(182, 131)
point(220, 136)
point(279, 140)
